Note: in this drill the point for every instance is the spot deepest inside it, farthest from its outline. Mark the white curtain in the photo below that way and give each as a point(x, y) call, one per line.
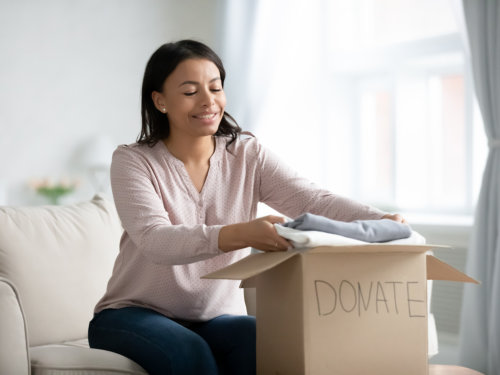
point(236, 35)
point(261, 43)
point(275, 55)
point(480, 324)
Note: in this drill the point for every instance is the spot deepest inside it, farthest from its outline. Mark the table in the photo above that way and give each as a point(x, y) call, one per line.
point(451, 370)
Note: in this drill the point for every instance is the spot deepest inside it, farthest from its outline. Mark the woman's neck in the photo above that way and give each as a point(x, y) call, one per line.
point(191, 150)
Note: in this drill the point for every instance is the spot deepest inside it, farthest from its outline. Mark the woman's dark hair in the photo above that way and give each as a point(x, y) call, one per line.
point(155, 125)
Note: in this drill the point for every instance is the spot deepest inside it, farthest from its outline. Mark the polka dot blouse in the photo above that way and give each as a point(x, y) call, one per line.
point(171, 230)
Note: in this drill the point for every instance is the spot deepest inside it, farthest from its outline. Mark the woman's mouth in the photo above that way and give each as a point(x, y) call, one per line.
point(207, 118)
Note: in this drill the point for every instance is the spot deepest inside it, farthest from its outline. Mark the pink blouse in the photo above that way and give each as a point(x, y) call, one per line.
point(171, 230)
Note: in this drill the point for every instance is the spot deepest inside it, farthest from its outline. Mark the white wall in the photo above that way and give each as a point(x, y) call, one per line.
point(72, 70)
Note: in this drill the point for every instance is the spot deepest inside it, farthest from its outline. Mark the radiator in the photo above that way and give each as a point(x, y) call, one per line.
point(446, 299)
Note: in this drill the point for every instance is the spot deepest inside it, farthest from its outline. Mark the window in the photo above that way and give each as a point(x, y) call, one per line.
point(413, 135)
point(386, 112)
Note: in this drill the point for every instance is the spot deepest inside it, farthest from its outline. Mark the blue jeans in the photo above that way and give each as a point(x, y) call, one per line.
point(224, 345)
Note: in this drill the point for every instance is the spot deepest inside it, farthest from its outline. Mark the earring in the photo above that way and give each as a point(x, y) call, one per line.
point(164, 110)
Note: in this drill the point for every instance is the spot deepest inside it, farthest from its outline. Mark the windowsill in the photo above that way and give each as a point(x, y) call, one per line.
point(452, 230)
point(433, 220)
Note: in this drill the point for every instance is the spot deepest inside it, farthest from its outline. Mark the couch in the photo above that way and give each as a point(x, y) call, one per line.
point(55, 262)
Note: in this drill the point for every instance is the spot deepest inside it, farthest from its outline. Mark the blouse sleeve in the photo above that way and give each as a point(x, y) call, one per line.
point(146, 221)
point(284, 190)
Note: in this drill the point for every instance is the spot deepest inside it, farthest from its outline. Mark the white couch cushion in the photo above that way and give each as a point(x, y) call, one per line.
point(75, 358)
point(60, 259)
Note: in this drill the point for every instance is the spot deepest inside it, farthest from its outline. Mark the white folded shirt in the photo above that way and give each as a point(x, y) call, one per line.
point(301, 239)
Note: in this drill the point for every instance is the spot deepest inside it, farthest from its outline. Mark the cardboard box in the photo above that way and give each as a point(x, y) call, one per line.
point(343, 310)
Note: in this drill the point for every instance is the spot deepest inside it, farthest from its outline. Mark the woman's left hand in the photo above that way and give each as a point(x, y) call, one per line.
point(396, 217)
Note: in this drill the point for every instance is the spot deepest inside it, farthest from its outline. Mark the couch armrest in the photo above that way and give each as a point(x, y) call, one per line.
point(14, 354)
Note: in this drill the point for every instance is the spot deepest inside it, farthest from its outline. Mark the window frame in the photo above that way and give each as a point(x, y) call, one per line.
point(387, 64)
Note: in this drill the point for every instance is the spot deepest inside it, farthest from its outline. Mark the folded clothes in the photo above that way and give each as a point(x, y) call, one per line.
point(382, 230)
point(301, 239)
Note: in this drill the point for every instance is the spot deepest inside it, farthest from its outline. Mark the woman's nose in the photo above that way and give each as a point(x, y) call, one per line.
point(207, 99)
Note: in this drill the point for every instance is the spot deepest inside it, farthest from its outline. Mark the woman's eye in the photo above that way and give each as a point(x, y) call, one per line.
point(216, 90)
point(190, 93)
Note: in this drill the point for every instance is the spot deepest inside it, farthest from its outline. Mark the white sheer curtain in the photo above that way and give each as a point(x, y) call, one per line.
point(261, 41)
point(275, 53)
point(480, 324)
point(236, 35)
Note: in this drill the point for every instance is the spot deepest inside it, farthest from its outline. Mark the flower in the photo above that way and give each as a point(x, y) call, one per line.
point(53, 190)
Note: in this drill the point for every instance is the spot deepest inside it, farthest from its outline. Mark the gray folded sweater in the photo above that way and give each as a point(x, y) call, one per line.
point(364, 230)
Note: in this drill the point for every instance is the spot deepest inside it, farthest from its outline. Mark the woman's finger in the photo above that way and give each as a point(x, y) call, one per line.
point(275, 219)
point(279, 244)
point(395, 217)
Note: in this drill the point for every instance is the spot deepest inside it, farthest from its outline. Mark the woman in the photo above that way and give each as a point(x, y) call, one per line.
point(187, 195)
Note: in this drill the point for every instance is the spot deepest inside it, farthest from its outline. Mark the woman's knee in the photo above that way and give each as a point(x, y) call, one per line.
point(194, 347)
point(228, 333)
point(233, 342)
point(241, 329)
point(190, 354)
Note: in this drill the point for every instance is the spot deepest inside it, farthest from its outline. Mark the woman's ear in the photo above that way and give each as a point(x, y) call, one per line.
point(159, 101)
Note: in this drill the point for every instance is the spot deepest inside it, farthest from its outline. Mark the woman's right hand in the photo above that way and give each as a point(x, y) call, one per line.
point(259, 234)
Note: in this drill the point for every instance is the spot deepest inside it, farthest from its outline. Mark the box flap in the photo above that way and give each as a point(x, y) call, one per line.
point(373, 248)
point(439, 270)
point(251, 265)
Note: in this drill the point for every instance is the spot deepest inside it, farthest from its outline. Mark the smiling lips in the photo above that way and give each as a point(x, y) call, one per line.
point(206, 117)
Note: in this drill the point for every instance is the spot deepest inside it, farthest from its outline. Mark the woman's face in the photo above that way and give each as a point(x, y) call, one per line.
point(192, 98)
